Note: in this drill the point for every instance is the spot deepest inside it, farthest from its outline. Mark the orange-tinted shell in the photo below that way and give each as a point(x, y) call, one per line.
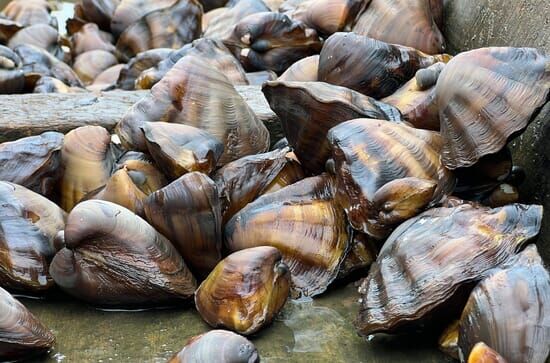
point(304, 70)
point(481, 353)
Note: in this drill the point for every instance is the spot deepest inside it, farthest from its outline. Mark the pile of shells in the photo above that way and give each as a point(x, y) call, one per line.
point(394, 168)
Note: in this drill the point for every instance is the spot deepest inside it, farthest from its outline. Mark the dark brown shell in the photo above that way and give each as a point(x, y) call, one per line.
point(272, 41)
point(28, 225)
point(308, 110)
point(486, 96)
point(387, 172)
point(179, 149)
point(12, 78)
point(221, 26)
point(304, 70)
point(89, 65)
point(112, 257)
point(245, 291)
point(481, 353)
point(144, 173)
point(130, 11)
point(170, 27)
point(196, 94)
point(510, 311)
point(33, 162)
point(140, 63)
point(370, 66)
point(429, 261)
point(219, 346)
point(304, 223)
point(242, 181)
point(405, 22)
point(362, 254)
point(29, 12)
point(22, 335)
point(188, 213)
point(89, 37)
point(99, 12)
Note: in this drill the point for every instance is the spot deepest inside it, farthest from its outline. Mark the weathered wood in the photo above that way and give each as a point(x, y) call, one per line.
point(32, 114)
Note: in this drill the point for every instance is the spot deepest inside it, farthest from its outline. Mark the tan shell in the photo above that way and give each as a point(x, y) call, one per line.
point(89, 37)
point(221, 26)
point(107, 79)
point(130, 11)
point(42, 36)
point(304, 70)
point(28, 12)
point(89, 65)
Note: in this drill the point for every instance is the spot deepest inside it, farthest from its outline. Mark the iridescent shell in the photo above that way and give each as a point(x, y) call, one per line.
point(304, 70)
point(485, 97)
point(429, 262)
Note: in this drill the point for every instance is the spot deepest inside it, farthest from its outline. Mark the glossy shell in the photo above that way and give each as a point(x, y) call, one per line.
point(221, 26)
point(487, 95)
point(387, 173)
point(481, 353)
point(370, 66)
point(304, 70)
point(188, 212)
point(114, 258)
point(89, 37)
point(94, 11)
point(130, 11)
point(510, 311)
point(308, 110)
point(39, 35)
point(245, 291)
point(305, 224)
point(430, 261)
point(139, 64)
point(144, 173)
point(89, 65)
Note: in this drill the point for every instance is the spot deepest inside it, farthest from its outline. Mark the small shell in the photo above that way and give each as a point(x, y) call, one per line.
point(221, 26)
point(481, 353)
point(260, 77)
point(370, 66)
point(362, 254)
point(304, 70)
point(245, 291)
point(448, 341)
point(130, 11)
point(308, 110)
point(107, 79)
point(304, 223)
point(510, 311)
point(90, 64)
point(89, 37)
point(114, 258)
point(430, 261)
point(22, 335)
point(140, 63)
point(219, 346)
point(99, 12)
point(46, 84)
point(141, 169)
point(486, 96)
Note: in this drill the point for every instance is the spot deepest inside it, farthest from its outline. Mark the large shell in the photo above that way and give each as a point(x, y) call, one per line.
point(242, 181)
point(28, 12)
point(221, 26)
point(304, 223)
point(28, 225)
point(510, 312)
point(33, 162)
point(130, 11)
point(245, 291)
point(114, 258)
point(211, 51)
point(99, 12)
point(405, 22)
point(188, 213)
point(90, 64)
point(21, 334)
point(12, 78)
point(304, 70)
point(140, 63)
point(180, 149)
point(481, 353)
point(487, 95)
point(219, 346)
point(272, 41)
point(89, 37)
point(431, 260)
point(308, 110)
point(196, 94)
point(170, 27)
point(387, 172)
point(370, 66)
point(41, 36)
point(87, 158)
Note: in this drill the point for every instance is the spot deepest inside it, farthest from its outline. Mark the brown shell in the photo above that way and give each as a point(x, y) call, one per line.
point(46, 84)
point(405, 22)
point(209, 15)
point(430, 261)
point(387, 173)
point(304, 70)
point(12, 78)
point(28, 12)
point(188, 213)
point(90, 64)
point(416, 99)
point(272, 41)
point(170, 27)
point(221, 26)
point(28, 225)
point(362, 254)
point(245, 291)
point(40, 35)
point(481, 353)
point(370, 66)
point(140, 63)
point(112, 257)
point(130, 11)
point(242, 181)
point(87, 158)
point(510, 311)
point(89, 37)
point(33, 162)
point(107, 79)
point(22, 335)
point(487, 95)
point(196, 94)
point(143, 171)
point(304, 223)
point(308, 110)
point(219, 346)
point(99, 12)
point(212, 51)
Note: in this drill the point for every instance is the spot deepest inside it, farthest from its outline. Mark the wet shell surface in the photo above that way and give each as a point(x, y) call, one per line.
point(487, 95)
point(304, 70)
point(113, 258)
point(245, 290)
point(387, 173)
point(481, 353)
point(89, 65)
point(510, 311)
point(221, 26)
point(308, 110)
point(22, 335)
point(139, 64)
point(430, 261)
point(305, 224)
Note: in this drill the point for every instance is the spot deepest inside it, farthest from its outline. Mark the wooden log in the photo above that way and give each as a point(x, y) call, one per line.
point(33, 114)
